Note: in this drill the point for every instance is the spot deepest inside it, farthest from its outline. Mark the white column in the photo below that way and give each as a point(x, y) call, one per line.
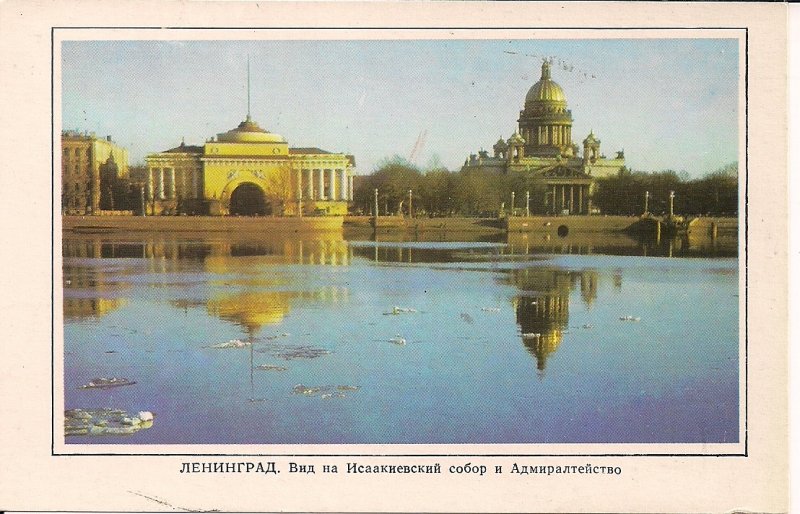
point(321, 193)
point(299, 184)
point(572, 199)
point(151, 190)
point(350, 188)
point(310, 183)
point(332, 184)
point(172, 183)
point(160, 183)
point(196, 184)
point(342, 185)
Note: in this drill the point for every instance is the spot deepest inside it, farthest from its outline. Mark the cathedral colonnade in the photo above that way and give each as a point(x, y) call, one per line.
point(568, 198)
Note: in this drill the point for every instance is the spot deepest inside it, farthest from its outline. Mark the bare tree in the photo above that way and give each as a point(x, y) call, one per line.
point(281, 188)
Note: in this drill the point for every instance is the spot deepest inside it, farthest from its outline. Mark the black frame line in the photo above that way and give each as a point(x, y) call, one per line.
point(332, 455)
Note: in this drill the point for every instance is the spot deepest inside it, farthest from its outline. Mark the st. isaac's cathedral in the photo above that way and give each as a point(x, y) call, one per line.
point(542, 147)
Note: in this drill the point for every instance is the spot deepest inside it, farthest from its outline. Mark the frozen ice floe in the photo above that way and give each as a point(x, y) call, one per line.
point(106, 383)
point(233, 343)
point(100, 422)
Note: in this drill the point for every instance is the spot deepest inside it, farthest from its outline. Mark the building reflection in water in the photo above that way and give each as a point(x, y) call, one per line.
point(104, 287)
point(81, 308)
point(91, 290)
point(620, 243)
point(325, 248)
point(542, 310)
point(237, 268)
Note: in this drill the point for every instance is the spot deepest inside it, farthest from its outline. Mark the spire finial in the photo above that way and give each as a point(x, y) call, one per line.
point(248, 87)
point(546, 70)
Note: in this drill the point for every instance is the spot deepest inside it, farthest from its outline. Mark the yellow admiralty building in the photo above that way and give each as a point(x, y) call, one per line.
point(247, 171)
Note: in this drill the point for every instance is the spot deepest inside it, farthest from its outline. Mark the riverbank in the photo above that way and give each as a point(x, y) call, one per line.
point(105, 224)
point(540, 224)
point(400, 223)
point(553, 226)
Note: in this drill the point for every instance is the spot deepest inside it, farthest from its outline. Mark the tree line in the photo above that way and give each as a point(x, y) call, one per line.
point(440, 192)
point(715, 194)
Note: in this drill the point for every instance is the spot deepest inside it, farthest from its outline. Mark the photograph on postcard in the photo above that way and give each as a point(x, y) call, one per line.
point(444, 241)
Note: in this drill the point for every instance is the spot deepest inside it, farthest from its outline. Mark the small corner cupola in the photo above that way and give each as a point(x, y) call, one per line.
point(516, 138)
point(591, 138)
point(516, 146)
point(500, 148)
point(591, 148)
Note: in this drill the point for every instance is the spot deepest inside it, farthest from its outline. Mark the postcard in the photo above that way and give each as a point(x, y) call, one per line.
point(395, 257)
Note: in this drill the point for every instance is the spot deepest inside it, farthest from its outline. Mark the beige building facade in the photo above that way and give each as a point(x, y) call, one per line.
point(92, 168)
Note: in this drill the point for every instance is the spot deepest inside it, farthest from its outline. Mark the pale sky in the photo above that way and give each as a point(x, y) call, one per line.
point(670, 103)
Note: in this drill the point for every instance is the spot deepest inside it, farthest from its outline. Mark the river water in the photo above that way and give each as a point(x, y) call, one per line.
point(332, 339)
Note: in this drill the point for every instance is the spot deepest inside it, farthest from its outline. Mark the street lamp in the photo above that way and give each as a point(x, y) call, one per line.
point(671, 203)
point(409, 204)
point(512, 202)
point(376, 202)
point(527, 204)
point(646, 198)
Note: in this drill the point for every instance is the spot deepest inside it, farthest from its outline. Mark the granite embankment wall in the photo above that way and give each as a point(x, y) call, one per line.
point(713, 226)
point(543, 224)
point(399, 223)
point(546, 224)
point(534, 224)
point(90, 224)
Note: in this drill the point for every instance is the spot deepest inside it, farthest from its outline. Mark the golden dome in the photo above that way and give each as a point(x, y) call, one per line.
point(545, 90)
point(251, 310)
point(248, 131)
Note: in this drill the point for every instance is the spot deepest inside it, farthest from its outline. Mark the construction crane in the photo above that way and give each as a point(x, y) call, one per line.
point(418, 146)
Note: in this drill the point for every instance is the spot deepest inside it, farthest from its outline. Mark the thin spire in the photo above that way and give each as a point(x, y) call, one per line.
point(248, 87)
